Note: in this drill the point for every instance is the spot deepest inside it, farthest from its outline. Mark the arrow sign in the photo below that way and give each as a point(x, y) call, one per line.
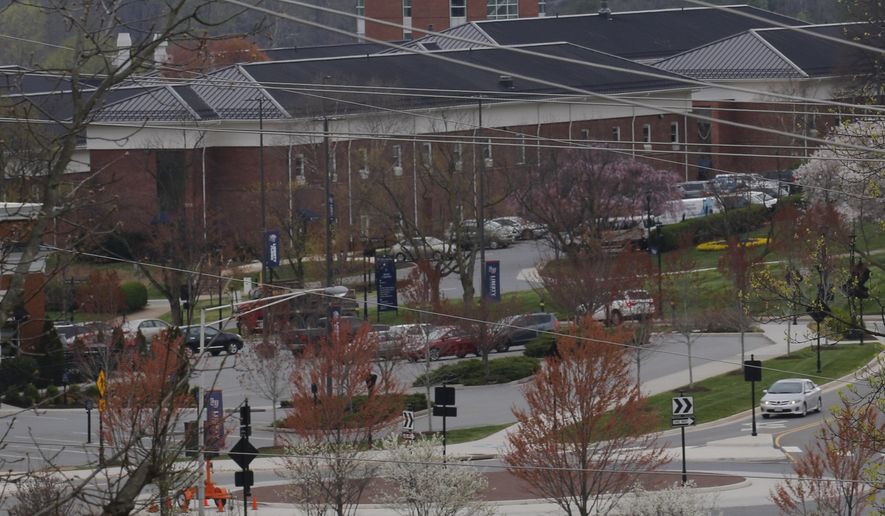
point(243, 453)
point(683, 406)
point(682, 421)
point(408, 420)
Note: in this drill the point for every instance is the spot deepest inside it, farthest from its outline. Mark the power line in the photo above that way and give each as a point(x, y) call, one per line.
point(465, 319)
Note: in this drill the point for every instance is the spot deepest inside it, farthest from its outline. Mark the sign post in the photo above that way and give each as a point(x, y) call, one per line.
point(88, 421)
point(243, 453)
point(683, 416)
point(444, 398)
point(408, 425)
point(753, 374)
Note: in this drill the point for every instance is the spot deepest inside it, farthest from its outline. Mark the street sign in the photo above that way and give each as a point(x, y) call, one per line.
point(752, 370)
point(683, 405)
point(444, 395)
point(408, 420)
point(101, 405)
point(408, 435)
point(444, 411)
point(88, 405)
point(244, 478)
point(682, 421)
point(101, 383)
point(243, 453)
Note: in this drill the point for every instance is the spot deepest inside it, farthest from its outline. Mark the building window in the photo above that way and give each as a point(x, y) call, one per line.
point(407, 8)
point(646, 133)
point(407, 36)
point(458, 8)
point(397, 156)
point(585, 134)
point(362, 156)
point(502, 9)
point(299, 166)
point(487, 152)
point(426, 155)
point(674, 135)
point(457, 157)
point(616, 134)
point(542, 8)
point(364, 226)
point(522, 151)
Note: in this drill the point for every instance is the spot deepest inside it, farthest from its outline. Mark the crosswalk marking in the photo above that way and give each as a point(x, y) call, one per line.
point(770, 425)
point(791, 449)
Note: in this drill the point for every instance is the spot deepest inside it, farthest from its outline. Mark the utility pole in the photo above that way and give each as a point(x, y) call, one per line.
point(480, 216)
point(328, 191)
point(264, 270)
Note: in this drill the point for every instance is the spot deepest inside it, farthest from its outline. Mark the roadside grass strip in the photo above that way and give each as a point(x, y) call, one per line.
point(728, 394)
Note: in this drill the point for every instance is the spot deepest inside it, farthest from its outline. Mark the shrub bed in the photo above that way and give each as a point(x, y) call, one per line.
point(135, 295)
point(472, 372)
point(540, 347)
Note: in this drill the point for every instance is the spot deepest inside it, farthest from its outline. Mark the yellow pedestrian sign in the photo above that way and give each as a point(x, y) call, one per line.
point(101, 383)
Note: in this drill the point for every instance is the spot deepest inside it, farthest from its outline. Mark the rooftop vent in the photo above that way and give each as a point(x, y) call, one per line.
point(505, 82)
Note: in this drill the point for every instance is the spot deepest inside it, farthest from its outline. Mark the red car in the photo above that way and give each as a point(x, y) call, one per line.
point(445, 341)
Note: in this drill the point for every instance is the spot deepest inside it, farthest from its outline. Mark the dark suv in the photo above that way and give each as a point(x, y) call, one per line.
point(214, 341)
point(520, 329)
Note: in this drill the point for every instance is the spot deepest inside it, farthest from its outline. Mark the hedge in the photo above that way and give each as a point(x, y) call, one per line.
point(472, 372)
point(713, 227)
point(135, 295)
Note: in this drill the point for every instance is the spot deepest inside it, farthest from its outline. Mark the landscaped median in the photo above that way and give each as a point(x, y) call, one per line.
point(728, 394)
point(472, 372)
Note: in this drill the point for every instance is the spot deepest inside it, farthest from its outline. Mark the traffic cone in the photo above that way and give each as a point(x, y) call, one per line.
point(254, 503)
point(220, 505)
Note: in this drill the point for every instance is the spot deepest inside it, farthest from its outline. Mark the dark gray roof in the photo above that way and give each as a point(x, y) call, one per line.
point(771, 53)
point(325, 51)
point(642, 35)
point(422, 79)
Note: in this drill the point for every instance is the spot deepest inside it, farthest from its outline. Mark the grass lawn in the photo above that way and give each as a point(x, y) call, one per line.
point(727, 394)
point(463, 435)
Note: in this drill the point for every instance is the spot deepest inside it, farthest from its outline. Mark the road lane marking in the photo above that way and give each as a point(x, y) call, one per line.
point(791, 449)
point(778, 437)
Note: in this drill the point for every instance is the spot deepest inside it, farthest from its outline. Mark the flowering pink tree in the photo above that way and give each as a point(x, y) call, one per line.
point(588, 202)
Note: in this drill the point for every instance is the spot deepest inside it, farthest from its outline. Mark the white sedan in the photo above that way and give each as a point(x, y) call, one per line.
point(791, 396)
point(150, 328)
point(417, 248)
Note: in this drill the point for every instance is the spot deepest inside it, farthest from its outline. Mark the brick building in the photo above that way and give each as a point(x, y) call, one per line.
point(416, 16)
point(696, 91)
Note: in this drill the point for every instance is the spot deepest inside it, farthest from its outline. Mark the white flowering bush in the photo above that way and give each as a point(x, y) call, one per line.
point(851, 178)
point(424, 486)
point(677, 500)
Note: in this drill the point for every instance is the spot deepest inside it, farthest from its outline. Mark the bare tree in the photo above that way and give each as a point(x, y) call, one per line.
point(265, 369)
point(586, 435)
point(686, 316)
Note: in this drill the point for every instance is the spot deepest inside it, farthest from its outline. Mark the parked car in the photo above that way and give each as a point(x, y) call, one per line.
point(526, 230)
point(150, 328)
point(445, 341)
point(420, 248)
point(695, 189)
point(519, 329)
point(632, 304)
point(791, 396)
point(496, 235)
point(761, 198)
point(215, 341)
point(396, 339)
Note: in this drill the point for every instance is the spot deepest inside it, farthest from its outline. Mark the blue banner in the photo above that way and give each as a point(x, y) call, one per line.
point(385, 283)
point(214, 420)
point(493, 280)
point(272, 248)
